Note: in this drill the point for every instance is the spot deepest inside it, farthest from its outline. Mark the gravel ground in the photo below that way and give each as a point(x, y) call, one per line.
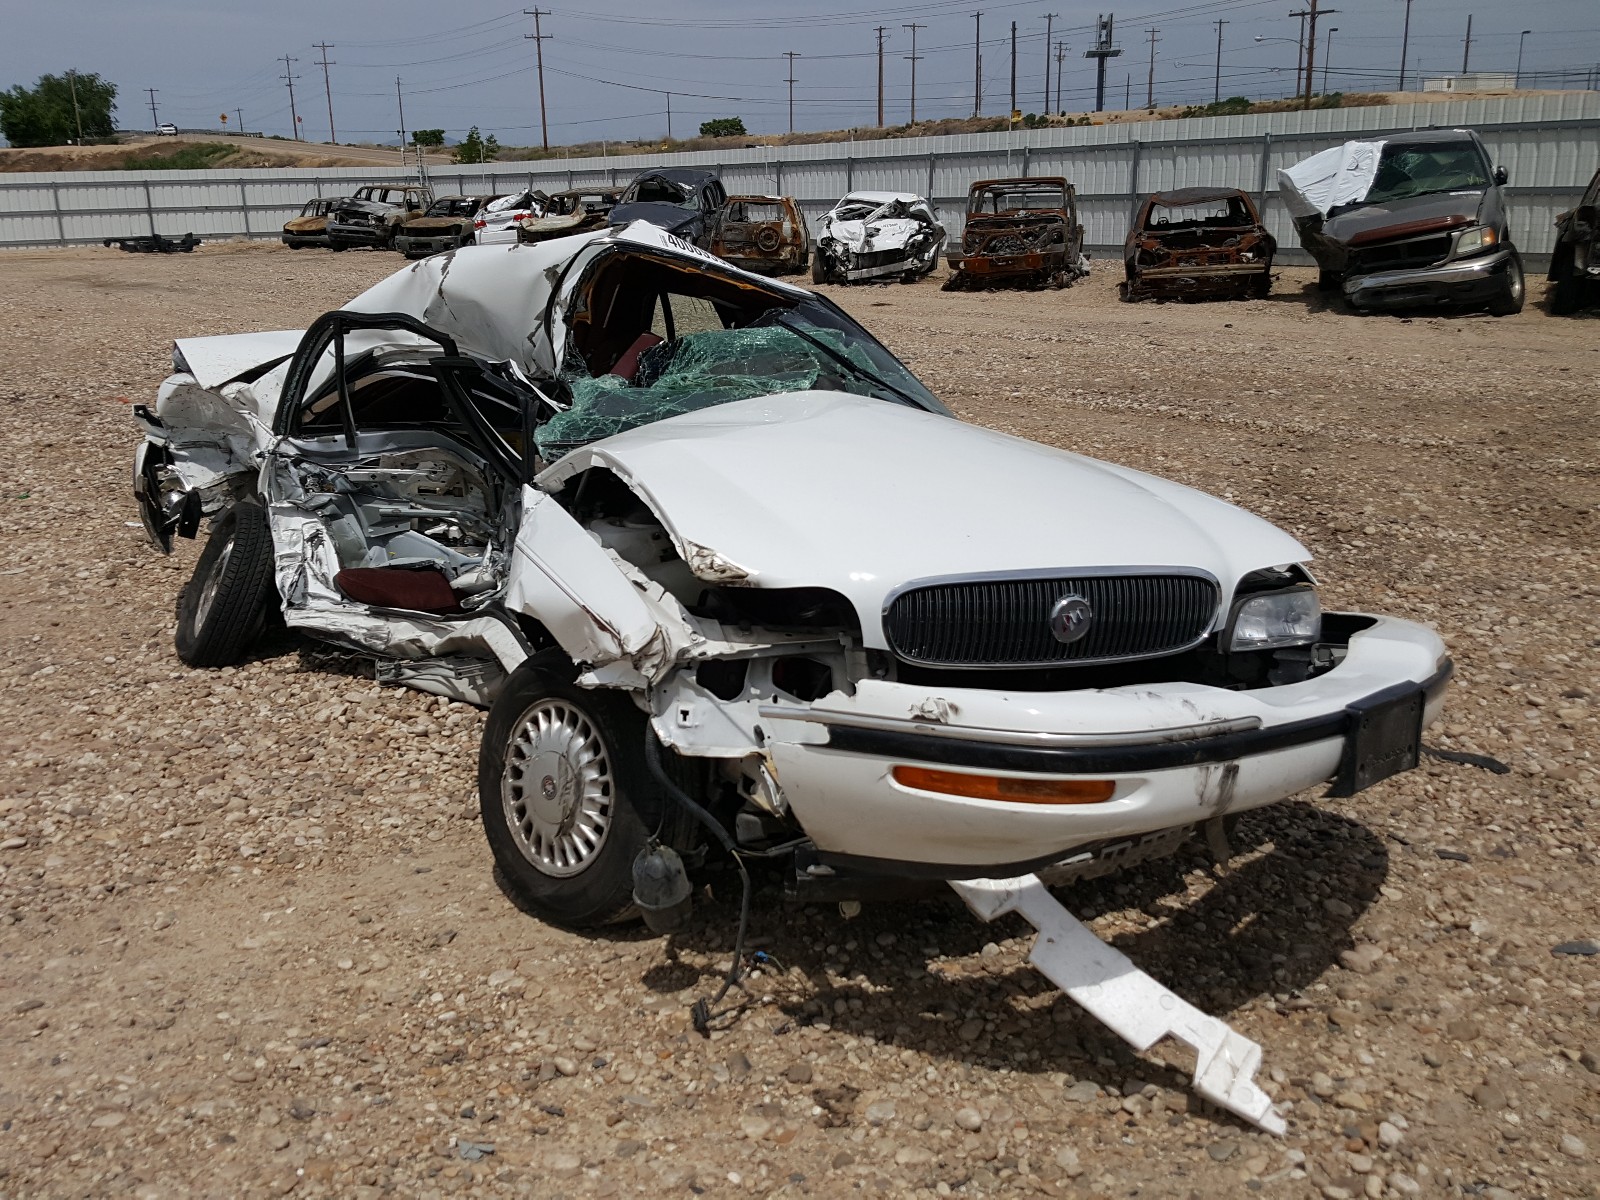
point(250, 943)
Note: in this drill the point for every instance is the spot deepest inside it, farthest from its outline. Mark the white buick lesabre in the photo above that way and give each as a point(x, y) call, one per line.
point(729, 578)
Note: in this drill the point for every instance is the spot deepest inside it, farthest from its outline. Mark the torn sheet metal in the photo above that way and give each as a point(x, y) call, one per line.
point(1105, 982)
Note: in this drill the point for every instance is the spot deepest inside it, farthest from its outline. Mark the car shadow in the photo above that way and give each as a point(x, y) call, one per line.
point(920, 974)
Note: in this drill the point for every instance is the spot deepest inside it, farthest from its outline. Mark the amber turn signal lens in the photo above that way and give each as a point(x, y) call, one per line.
point(999, 787)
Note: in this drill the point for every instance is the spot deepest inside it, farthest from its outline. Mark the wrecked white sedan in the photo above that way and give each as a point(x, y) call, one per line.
point(625, 494)
point(732, 581)
point(877, 235)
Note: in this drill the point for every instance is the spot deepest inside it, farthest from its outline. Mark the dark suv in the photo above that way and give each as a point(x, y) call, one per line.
point(679, 200)
point(1575, 261)
point(1431, 230)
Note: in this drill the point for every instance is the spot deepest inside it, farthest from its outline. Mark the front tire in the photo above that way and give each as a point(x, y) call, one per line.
point(565, 796)
point(819, 269)
point(224, 606)
point(1510, 300)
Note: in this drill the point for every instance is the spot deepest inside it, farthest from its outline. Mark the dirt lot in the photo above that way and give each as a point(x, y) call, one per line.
point(250, 943)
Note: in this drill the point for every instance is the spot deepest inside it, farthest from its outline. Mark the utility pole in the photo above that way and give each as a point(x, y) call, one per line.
point(1405, 44)
point(1012, 115)
point(1300, 57)
point(1049, 33)
point(880, 31)
point(1150, 83)
point(791, 55)
point(1216, 87)
point(669, 116)
point(1516, 82)
point(1327, 58)
point(239, 112)
point(1466, 49)
point(401, 102)
point(915, 59)
point(538, 36)
point(326, 85)
point(1103, 49)
point(1127, 93)
point(77, 117)
point(155, 122)
point(1061, 57)
point(289, 76)
point(1313, 12)
point(977, 63)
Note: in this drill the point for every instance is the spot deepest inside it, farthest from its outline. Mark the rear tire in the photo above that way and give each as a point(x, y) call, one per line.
point(1509, 302)
point(565, 796)
point(1567, 296)
point(222, 609)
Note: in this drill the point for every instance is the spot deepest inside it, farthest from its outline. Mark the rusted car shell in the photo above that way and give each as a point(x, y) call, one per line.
point(766, 234)
point(580, 210)
point(310, 228)
point(1210, 255)
point(1025, 245)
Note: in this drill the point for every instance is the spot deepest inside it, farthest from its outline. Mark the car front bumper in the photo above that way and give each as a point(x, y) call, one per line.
point(358, 235)
point(1468, 281)
point(1179, 754)
point(409, 245)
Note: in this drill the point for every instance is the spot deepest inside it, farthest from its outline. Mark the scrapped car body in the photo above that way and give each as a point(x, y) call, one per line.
point(448, 224)
point(565, 213)
point(765, 234)
point(1198, 244)
point(680, 200)
point(155, 243)
point(373, 216)
point(500, 221)
point(877, 236)
point(310, 228)
point(1575, 260)
point(1411, 221)
point(652, 510)
point(1021, 233)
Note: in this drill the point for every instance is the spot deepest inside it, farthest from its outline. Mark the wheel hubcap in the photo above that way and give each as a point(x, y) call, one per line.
point(208, 591)
point(557, 788)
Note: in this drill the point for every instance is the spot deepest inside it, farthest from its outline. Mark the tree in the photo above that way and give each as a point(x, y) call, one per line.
point(475, 148)
point(724, 127)
point(43, 115)
point(428, 137)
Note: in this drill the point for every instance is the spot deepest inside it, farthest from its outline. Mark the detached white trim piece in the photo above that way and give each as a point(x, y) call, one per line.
point(1135, 1007)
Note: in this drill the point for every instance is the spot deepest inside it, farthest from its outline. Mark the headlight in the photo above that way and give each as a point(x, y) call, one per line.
point(1478, 238)
point(1288, 618)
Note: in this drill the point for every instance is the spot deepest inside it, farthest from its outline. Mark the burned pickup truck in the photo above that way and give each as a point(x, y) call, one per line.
point(1198, 244)
point(1417, 220)
point(1019, 233)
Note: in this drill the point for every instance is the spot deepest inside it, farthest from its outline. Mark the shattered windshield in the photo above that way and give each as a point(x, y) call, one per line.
point(656, 190)
point(807, 347)
point(1421, 168)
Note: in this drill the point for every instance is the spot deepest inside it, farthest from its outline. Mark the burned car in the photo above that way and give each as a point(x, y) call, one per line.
point(1575, 261)
point(651, 510)
point(1019, 233)
point(877, 235)
point(576, 211)
point(310, 228)
point(1198, 244)
point(1416, 220)
point(765, 234)
point(680, 200)
point(374, 215)
point(448, 224)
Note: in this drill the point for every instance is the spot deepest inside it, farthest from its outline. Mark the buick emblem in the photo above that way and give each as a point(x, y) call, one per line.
point(1071, 618)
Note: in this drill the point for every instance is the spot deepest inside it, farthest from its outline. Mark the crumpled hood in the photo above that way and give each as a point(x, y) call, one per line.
point(824, 489)
point(665, 216)
point(371, 207)
point(890, 233)
point(1372, 218)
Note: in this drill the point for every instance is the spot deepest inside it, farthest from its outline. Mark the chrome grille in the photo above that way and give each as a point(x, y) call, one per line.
point(1401, 255)
point(1006, 622)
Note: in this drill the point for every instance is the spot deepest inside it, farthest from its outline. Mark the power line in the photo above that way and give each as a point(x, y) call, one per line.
point(327, 86)
point(290, 77)
point(538, 38)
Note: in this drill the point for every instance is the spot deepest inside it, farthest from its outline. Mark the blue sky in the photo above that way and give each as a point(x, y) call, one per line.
point(466, 62)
